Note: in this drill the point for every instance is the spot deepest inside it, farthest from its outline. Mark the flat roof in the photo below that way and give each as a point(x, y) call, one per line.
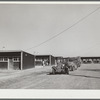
point(11, 51)
point(14, 51)
point(43, 55)
point(58, 57)
point(92, 57)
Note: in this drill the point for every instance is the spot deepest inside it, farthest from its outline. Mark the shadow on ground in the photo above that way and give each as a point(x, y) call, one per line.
point(56, 74)
point(84, 76)
point(98, 70)
point(50, 73)
point(74, 75)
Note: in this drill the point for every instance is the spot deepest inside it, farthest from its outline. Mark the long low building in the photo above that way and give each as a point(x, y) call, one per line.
point(44, 60)
point(88, 60)
point(16, 60)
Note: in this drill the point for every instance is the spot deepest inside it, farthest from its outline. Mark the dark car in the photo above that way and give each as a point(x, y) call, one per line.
point(60, 68)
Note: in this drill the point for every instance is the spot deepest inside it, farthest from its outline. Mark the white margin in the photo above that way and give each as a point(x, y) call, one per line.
point(49, 2)
point(49, 93)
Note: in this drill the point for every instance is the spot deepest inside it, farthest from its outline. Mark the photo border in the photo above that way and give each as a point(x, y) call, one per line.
point(39, 94)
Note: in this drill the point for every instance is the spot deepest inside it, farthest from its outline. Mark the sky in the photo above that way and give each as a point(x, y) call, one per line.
point(24, 26)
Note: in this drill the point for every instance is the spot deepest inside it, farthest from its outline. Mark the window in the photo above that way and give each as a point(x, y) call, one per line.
point(1, 58)
point(16, 59)
point(5, 59)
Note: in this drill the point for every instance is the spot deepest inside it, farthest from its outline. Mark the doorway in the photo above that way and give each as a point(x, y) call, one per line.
point(10, 63)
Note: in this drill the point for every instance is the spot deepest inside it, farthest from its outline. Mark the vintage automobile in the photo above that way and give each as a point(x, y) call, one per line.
point(73, 63)
point(72, 66)
point(60, 68)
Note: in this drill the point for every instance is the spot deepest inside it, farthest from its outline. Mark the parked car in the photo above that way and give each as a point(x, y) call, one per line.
point(72, 66)
point(60, 68)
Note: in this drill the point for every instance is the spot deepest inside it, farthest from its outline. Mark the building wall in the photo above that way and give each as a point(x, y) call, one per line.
point(39, 60)
point(3, 65)
point(14, 61)
point(28, 61)
point(16, 65)
point(52, 60)
point(88, 60)
point(46, 59)
point(10, 54)
point(8, 60)
point(42, 60)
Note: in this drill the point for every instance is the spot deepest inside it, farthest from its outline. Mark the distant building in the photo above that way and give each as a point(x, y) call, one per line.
point(88, 60)
point(16, 60)
point(44, 60)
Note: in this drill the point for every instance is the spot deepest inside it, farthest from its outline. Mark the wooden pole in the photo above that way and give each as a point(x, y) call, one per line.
point(21, 60)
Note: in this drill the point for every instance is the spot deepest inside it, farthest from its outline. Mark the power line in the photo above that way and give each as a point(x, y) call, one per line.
point(65, 29)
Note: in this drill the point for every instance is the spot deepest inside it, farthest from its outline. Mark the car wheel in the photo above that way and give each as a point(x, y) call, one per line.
point(53, 71)
point(66, 71)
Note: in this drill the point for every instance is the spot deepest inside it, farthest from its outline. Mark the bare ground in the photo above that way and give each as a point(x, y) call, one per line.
point(85, 77)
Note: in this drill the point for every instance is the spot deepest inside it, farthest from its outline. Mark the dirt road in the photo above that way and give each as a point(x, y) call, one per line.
point(85, 77)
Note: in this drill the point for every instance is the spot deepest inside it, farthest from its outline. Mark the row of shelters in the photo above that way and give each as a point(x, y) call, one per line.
point(19, 60)
point(89, 60)
point(16, 60)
